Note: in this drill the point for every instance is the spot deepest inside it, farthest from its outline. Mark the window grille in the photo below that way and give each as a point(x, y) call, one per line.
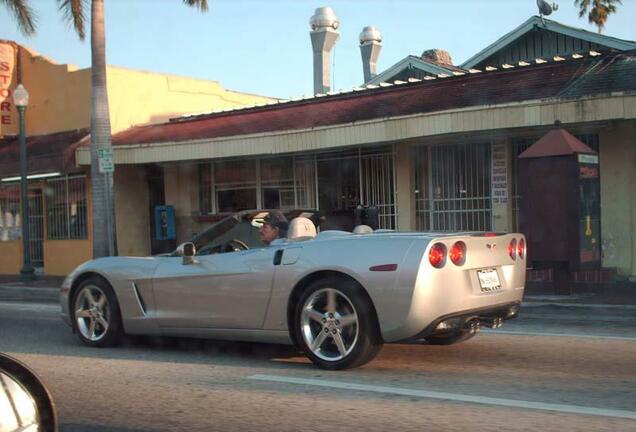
point(378, 186)
point(453, 187)
point(66, 208)
point(10, 212)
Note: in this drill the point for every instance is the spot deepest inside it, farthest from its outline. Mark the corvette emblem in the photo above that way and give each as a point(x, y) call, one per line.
point(491, 246)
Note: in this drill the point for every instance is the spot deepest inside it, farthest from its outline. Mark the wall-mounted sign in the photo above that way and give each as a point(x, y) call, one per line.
point(499, 173)
point(105, 159)
point(8, 115)
point(587, 158)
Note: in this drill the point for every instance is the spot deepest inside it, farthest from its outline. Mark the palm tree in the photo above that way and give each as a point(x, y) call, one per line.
point(597, 10)
point(102, 183)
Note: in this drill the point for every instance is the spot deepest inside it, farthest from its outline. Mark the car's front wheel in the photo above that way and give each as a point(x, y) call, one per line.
point(336, 325)
point(96, 314)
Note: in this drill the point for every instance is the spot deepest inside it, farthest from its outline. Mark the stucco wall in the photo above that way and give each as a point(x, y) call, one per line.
point(62, 256)
point(132, 211)
point(60, 95)
point(138, 97)
point(618, 196)
point(404, 187)
point(182, 187)
point(11, 253)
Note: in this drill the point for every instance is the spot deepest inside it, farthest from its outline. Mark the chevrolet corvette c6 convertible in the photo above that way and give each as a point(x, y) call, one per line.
point(337, 295)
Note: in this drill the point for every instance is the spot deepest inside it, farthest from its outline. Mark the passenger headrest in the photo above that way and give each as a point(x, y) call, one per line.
point(301, 228)
point(362, 229)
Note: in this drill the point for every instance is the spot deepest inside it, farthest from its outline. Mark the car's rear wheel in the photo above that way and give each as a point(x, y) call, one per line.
point(336, 325)
point(450, 338)
point(96, 314)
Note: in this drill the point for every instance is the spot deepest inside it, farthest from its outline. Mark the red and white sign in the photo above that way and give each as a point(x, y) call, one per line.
point(8, 115)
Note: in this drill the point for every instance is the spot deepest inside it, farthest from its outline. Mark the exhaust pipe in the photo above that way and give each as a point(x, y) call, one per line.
point(473, 326)
point(492, 322)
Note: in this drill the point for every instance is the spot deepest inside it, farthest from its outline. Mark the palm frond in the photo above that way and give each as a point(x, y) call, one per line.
point(74, 12)
point(202, 5)
point(24, 15)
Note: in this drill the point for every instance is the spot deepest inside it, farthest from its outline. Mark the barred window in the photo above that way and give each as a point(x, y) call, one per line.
point(9, 212)
point(66, 208)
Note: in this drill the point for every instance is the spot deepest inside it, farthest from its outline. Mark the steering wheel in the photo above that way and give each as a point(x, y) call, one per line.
point(234, 245)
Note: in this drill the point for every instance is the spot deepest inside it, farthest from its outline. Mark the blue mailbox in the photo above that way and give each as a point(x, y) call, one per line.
point(165, 223)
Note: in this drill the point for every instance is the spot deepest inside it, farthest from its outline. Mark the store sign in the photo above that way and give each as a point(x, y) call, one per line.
point(8, 115)
point(105, 159)
point(499, 173)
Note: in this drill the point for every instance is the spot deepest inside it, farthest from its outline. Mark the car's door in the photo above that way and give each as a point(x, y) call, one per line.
point(226, 290)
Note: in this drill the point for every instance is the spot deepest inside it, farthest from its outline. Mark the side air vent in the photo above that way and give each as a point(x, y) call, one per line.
point(140, 299)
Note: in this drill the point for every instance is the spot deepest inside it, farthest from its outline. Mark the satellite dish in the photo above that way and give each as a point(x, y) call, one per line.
point(545, 8)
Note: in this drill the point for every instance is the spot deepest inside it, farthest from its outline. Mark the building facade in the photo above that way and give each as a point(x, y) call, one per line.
point(437, 154)
point(57, 118)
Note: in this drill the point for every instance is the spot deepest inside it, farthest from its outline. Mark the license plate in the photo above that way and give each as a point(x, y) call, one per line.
point(489, 280)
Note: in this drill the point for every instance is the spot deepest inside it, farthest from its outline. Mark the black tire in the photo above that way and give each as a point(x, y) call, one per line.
point(109, 312)
point(351, 300)
point(450, 338)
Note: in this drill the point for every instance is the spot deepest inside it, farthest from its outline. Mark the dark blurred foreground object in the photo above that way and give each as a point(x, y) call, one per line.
point(559, 210)
point(25, 403)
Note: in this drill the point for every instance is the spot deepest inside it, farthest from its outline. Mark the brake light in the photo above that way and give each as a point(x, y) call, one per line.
point(512, 249)
point(521, 248)
point(437, 255)
point(458, 253)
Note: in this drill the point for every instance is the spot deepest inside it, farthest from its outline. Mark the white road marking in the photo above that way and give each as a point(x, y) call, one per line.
point(570, 409)
point(30, 306)
point(568, 335)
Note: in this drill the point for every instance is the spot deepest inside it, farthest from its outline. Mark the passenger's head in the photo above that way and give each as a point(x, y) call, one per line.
point(274, 226)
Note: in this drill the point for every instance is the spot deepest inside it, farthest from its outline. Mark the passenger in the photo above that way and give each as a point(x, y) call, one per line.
point(274, 226)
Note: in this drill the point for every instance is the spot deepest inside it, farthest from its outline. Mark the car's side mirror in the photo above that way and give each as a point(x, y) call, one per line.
point(25, 403)
point(187, 251)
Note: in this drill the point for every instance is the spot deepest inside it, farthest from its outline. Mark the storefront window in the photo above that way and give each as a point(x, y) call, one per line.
point(66, 208)
point(277, 183)
point(235, 185)
point(9, 212)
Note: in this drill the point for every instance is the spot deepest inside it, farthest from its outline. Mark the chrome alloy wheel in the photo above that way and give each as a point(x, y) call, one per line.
point(92, 313)
point(329, 324)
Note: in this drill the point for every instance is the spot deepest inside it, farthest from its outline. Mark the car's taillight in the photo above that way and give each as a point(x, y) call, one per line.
point(512, 249)
point(521, 248)
point(437, 255)
point(457, 253)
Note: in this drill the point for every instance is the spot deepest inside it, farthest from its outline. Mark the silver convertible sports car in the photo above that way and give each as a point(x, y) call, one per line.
point(337, 295)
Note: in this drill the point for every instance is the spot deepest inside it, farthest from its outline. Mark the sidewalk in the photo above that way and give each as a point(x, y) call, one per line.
point(43, 290)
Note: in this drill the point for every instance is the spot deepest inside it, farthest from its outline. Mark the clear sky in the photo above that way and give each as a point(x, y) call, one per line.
point(263, 47)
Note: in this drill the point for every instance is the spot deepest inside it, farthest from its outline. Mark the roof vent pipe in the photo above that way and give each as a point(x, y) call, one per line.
point(324, 25)
point(370, 46)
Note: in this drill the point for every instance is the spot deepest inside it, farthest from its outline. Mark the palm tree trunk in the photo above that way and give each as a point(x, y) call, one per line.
point(103, 214)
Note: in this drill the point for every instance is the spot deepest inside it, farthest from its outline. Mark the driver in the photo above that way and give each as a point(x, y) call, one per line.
point(274, 226)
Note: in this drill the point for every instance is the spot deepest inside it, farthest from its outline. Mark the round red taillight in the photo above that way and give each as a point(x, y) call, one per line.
point(437, 255)
point(457, 253)
point(512, 249)
point(521, 248)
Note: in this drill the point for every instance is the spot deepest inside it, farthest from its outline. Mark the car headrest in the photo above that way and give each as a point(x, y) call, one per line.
point(301, 228)
point(362, 229)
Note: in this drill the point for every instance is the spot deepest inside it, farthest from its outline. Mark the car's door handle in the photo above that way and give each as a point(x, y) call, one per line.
point(278, 256)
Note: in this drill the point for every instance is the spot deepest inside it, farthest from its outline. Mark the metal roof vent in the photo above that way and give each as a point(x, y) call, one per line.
point(370, 46)
point(324, 25)
point(370, 34)
point(324, 17)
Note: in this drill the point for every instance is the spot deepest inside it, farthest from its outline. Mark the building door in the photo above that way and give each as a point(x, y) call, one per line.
point(378, 185)
point(36, 227)
point(338, 189)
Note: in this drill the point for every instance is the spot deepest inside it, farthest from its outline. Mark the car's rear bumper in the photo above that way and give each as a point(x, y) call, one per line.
point(469, 320)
